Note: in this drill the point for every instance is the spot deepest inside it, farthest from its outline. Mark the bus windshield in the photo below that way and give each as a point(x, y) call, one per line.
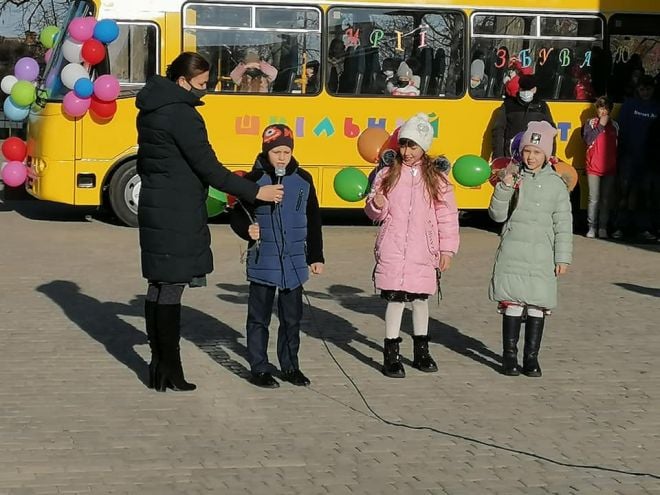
point(51, 85)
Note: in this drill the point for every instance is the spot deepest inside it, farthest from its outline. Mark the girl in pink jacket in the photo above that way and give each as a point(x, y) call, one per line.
point(414, 202)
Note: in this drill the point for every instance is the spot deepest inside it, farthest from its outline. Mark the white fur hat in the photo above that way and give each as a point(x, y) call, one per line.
point(418, 129)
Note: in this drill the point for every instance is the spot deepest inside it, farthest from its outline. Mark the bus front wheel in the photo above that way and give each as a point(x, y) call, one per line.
point(124, 193)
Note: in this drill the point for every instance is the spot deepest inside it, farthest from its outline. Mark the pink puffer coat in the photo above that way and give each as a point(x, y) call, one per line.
point(413, 233)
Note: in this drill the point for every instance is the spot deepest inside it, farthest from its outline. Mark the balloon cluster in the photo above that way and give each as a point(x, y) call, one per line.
point(14, 172)
point(83, 47)
point(20, 88)
point(217, 202)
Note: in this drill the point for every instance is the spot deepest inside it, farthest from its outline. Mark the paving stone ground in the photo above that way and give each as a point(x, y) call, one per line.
point(76, 417)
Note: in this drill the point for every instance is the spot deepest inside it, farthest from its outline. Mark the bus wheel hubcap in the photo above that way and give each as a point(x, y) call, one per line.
point(132, 193)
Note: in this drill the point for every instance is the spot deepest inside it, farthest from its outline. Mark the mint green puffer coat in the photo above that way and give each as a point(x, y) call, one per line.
point(537, 235)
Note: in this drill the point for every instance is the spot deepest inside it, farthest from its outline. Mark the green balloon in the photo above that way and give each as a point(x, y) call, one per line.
point(47, 36)
point(471, 171)
point(216, 202)
point(23, 93)
point(351, 184)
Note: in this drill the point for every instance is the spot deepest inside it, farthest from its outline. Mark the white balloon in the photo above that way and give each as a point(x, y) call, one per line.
point(71, 51)
point(71, 73)
point(8, 83)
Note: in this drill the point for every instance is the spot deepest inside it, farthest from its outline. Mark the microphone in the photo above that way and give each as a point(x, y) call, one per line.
point(279, 173)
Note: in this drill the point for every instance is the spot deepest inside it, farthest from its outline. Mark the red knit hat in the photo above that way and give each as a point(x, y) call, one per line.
point(276, 135)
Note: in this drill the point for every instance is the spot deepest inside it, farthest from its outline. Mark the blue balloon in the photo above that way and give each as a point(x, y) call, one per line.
point(14, 112)
point(84, 88)
point(106, 31)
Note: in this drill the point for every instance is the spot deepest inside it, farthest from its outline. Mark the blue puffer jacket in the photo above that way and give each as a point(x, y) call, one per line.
point(290, 233)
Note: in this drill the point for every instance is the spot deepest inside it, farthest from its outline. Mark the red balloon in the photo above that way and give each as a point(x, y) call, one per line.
point(231, 200)
point(497, 165)
point(93, 51)
point(14, 149)
point(103, 109)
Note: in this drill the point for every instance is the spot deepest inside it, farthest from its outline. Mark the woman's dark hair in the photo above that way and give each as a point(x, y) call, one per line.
point(187, 65)
point(604, 102)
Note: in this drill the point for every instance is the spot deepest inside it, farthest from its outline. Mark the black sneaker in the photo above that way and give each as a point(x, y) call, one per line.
point(264, 380)
point(295, 377)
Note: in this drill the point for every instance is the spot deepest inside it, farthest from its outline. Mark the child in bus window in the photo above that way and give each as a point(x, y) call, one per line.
point(312, 72)
point(253, 75)
point(478, 79)
point(404, 84)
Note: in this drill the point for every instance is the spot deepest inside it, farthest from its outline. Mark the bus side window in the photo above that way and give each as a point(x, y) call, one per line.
point(134, 56)
point(364, 42)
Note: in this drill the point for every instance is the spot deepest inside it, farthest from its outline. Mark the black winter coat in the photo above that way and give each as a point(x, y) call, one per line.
point(512, 118)
point(176, 165)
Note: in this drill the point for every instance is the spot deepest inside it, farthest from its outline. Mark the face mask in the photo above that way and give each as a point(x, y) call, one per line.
point(402, 83)
point(388, 73)
point(199, 93)
point(253, 72)
point(526, 96)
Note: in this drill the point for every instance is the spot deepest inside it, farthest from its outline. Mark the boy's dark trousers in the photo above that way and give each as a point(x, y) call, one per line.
point(289, 310)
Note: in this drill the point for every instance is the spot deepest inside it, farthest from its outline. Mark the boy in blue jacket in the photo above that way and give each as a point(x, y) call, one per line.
point(285, 244)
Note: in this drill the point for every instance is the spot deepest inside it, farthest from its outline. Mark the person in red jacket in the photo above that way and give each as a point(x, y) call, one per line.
point(601, 135)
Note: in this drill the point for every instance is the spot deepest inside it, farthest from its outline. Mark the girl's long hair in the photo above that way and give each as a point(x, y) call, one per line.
point(434, 180)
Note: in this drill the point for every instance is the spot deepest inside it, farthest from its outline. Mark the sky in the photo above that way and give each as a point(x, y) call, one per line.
point(10, 21)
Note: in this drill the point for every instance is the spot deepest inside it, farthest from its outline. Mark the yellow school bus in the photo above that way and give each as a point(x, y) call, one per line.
point(569, 44)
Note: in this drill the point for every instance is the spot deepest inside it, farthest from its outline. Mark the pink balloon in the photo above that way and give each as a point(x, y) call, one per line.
point(81, 29)
point(74, 106)
point(106, 88)
point(14, 174)
point(48, 55)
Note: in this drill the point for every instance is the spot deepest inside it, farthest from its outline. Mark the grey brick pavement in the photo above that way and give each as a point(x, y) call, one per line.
point(75, 416)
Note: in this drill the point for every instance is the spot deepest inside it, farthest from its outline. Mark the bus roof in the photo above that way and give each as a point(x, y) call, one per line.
point(131, 8)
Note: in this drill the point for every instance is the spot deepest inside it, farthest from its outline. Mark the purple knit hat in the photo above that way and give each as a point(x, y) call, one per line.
point(540, 134)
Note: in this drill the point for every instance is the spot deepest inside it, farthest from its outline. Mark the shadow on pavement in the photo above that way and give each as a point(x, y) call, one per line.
point(100, 320)
point(446, 335)
point(640, 289)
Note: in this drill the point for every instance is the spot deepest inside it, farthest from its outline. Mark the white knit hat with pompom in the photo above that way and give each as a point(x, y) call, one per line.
point(418, 129)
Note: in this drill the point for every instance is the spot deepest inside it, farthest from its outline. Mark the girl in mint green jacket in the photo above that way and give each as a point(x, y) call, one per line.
point(535, 248)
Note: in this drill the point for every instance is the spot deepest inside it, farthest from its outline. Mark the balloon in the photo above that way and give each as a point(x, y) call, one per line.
point(103, 110)
point(75, 106)
point(370, 142)
point(81, 29)
point(48, 55)
point(83, 88)
point(26, 69)
point(351, 184)
point(14, 149)
point(71, 51)
point(47, 36)
point(14, 174)
point(7, 84)
point(106, 31)
point(495, 167)
point(15, 112)
point(72, 73)
point(231, 200)
point(106, 88)
point(216, 202)
point(93, 51)
point(568, 174)
point(23, 93)
point(514, 149)
point(392, 143)
point(471, 171)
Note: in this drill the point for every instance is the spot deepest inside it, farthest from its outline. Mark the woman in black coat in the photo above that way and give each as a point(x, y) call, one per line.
point(176, 165)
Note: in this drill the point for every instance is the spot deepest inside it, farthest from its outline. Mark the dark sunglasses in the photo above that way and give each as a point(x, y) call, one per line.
point(408, 143)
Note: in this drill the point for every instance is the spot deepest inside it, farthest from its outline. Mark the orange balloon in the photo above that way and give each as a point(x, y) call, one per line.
point(370, 142)
point(568, 173)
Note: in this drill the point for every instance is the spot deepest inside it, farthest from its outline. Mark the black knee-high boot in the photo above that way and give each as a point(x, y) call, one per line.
point(422, 360)
point(392, 366)
point(150, 323)
point(533, 335)
point(169, 371)
point(510, 336)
